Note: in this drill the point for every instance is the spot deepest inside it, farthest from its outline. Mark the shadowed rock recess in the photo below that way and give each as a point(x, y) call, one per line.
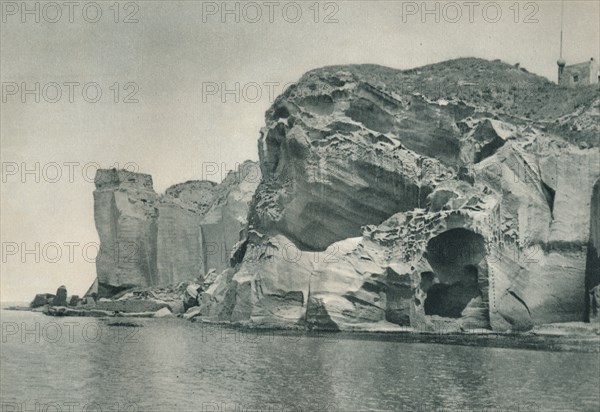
point(387, 199)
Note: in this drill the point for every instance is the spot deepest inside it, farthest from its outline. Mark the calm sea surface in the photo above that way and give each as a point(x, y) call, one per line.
point(83, 364)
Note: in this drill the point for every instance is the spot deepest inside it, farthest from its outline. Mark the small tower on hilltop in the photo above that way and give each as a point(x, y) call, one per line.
point(575, 74)
point(561, 68)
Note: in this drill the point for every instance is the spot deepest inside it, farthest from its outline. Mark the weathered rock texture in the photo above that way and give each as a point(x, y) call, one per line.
point(457, 196)
point(61, 297)
point(148, 239)
point(383, 204)
point(42, 299)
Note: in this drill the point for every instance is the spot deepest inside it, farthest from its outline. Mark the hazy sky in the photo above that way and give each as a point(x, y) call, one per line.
point(165, 59)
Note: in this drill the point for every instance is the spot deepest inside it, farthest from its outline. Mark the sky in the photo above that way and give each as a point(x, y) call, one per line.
point(151, 86)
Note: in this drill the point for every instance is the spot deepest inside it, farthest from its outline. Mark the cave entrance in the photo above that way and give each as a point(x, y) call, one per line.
point(455, 257)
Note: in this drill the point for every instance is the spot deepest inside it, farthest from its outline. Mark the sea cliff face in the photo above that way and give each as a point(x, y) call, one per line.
point(147, 239)
point(387, 205)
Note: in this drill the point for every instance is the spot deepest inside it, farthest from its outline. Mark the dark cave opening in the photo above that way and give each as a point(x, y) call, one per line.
point(454, 256)
point(450, 300)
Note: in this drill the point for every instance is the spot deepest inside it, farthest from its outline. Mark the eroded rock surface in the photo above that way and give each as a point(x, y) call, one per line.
point(386, 203)
point(148, 239)
point(42, 299)
point(61, 297)
point(385, 207)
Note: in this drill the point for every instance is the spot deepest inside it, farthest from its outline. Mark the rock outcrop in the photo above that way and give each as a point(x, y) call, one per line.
point(457, 196)
point(384, 207)
point(148, 239)
point(61, 297)
point(42, 299)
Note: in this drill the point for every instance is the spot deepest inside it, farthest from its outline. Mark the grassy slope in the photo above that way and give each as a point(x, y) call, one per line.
point(490, 85)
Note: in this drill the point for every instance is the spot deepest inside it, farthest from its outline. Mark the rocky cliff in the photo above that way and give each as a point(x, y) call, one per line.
point(457, 196)
point(462, 195)
point(147, 239)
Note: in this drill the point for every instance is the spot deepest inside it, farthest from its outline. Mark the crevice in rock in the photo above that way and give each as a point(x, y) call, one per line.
point(489, 149)
point(239, 253)
point(550, 194)
point(109, 291)
point(375, 287)
point(358, 301)
point(372, 116)
point(514, 295)
point(317, 316)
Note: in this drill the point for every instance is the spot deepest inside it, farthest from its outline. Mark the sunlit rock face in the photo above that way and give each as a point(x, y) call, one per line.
point(125, 219)
point(384, 203)
point(148, 239)
point(386, 208)
point(332, 160)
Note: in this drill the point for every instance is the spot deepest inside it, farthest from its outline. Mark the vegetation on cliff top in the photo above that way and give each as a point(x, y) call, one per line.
point(494, 86)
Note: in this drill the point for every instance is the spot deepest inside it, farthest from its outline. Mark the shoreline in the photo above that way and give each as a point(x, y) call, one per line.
point(568, 337)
